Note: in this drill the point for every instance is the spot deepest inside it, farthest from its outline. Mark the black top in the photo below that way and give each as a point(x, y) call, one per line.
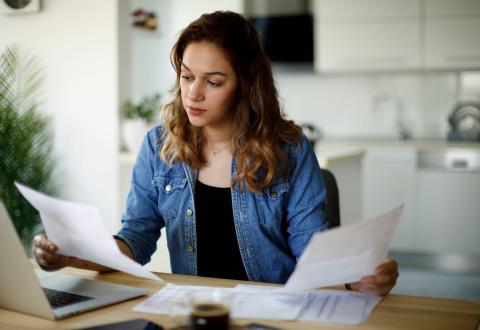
point(218, 254)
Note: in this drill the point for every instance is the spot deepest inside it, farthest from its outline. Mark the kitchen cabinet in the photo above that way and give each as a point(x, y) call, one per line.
point(367, 35)
point(452, 7)
point(452, 31)
point(336, 11)
point(375, 46)
point(448, 212)
point(389, 179)
point(388, 35)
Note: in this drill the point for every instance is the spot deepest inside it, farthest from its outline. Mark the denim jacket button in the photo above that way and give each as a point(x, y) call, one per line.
point(189, 212)
point(168, 187)
point(190, 249)
point(273, 194)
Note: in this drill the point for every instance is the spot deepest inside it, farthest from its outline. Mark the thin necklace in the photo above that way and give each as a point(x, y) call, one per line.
point(215, 152)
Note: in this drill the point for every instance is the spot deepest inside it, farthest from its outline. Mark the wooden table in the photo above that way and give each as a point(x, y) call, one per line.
point(394, 312)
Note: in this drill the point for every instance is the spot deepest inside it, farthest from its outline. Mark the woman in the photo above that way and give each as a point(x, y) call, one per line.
point(237, 186)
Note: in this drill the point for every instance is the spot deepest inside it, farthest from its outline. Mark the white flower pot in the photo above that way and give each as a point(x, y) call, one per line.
point(133, 132)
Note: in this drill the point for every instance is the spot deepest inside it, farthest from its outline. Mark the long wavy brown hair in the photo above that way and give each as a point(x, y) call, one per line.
point(260, 128)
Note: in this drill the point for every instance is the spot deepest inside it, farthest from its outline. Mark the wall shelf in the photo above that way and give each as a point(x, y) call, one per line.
point(146, 33)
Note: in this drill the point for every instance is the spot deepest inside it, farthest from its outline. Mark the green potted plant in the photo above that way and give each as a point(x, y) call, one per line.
point(137, 119)
point(26, 146)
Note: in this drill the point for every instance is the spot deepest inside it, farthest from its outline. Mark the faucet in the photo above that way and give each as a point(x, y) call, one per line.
point(403, 133)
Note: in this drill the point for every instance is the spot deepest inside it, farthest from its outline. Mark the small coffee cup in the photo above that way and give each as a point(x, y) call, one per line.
point(209, 309)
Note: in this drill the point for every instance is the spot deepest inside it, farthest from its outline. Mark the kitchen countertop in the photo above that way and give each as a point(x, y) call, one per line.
point(328, 155)
point(365, 142)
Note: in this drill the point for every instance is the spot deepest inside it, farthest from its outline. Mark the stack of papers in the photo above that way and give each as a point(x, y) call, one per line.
point(79, 231)
point(271, 303)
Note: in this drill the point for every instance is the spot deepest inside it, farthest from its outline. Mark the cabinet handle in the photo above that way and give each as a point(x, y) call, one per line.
point(368, 60)
point(462, 58)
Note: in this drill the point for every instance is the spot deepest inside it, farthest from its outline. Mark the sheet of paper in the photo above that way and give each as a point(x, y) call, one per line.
point(344, 254)
point(272, 303)
point(173, 300)
point(339, 307)
point(79, 231)
point(276, 305)
point(327, 306)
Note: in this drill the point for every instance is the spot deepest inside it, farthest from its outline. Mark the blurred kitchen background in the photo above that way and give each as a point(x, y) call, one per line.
point(390, 91)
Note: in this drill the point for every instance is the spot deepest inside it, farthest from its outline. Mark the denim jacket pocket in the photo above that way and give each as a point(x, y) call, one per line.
point(171, 189)
point(270, 205)
point(275, 191)
point(169, 184)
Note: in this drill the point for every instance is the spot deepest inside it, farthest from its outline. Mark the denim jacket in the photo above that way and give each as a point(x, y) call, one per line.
point(272, 228)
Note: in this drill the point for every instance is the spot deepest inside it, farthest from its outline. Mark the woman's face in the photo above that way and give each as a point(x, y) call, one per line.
point(207, 84)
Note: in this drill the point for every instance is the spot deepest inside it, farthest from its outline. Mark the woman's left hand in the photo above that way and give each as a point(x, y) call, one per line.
point(381, 282)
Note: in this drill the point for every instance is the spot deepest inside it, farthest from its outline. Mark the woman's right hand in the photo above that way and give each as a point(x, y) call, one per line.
point(45, 253)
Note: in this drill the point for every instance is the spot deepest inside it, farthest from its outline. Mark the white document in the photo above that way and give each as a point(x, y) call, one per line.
point(344, 254)
point(173, 299)
point(329, 306)
point(272, 303)
point(79, 231)
point(345, 307)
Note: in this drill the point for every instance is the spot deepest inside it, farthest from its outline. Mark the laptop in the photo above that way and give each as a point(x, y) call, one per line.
point(48, 295)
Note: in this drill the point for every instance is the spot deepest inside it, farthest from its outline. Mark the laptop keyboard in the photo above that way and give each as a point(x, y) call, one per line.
point(59, 299)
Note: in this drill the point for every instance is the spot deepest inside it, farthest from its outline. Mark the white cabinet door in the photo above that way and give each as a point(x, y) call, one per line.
point(371, 46)
point(448, 212)
point(452, 34)
point(335, 10)
point(452, 42)
point(451, 7)
point(389, 180)
point(367, 35)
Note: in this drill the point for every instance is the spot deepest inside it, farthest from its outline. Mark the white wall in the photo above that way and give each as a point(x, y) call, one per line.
point(470, 86)
point(185, 11)
point(76, 42)
point(150, 61)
